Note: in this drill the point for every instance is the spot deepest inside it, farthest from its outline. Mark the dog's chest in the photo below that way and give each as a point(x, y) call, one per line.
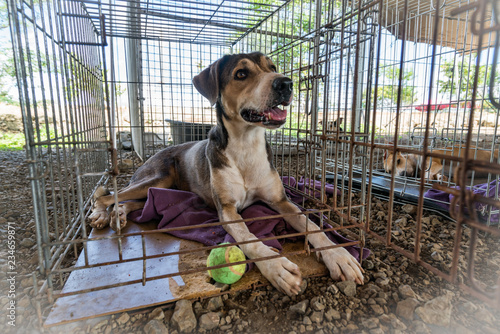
point(247, 177)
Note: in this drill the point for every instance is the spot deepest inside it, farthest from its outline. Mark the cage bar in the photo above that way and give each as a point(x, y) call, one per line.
point(104, 85)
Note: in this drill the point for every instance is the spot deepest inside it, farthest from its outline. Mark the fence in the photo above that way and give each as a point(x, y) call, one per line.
point(103, 85)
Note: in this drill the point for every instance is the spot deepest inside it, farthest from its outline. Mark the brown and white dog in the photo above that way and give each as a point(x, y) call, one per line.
point(232, 168)
point(435, 168)
point(332, 126)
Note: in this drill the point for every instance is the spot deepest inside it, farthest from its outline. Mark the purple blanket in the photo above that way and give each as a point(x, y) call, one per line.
point(176, 208)
point(483, 210)
point(313, 188)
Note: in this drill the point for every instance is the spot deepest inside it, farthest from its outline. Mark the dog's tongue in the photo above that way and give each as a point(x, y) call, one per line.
point(276, 114)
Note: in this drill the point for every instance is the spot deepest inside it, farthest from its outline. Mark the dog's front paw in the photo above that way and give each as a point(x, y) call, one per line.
point(122, 218)
point(99, 219)
point(342, 265)
point(283, 274)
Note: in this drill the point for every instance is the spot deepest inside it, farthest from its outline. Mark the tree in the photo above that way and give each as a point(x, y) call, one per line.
point(4, 20)
point(457, 79)
point(294, 23)
point(7, 76)
point(387, 91)
point(7, 70)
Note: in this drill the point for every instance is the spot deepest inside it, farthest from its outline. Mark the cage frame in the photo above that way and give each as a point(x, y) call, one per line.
point(102, 144)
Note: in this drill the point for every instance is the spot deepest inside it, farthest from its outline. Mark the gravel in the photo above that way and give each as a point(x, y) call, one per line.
point(406, 308)
point(300, 308)
point(397, 297)
point(348, 288)
point(405, 291)
point(155, 327)
point(183, 318)
point(215, 304)
point(209, 321)
point(156, 314)
point(436, 311)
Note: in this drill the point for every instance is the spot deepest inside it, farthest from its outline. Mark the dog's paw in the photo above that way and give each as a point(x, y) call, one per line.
point(99, 219)
point(342, 265)
point(441, 177)
point(122, 218)
point(283, 274)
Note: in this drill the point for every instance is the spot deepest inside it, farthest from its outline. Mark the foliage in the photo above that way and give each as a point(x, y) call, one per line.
point(83, 78)
point(458, 79)
point(6, 98)
point(4, 20)
point(14, 140)
point(11, 141)
point(294, 124)
point(290, 34)
point(7, 69)
point(387, 91)
point(7, 66)
point(7, 75)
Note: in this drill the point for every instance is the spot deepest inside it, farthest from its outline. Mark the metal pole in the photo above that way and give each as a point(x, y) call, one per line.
point(132, 58)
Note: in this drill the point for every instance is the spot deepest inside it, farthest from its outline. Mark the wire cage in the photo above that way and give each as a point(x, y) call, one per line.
point(104, 85)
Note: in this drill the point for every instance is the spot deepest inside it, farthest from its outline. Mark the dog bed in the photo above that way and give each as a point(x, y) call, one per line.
point(437, 200)
point(176, 208)
point(486, 190)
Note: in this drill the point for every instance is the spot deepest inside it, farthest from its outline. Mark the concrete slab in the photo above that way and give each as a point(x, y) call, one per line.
point(122, 298)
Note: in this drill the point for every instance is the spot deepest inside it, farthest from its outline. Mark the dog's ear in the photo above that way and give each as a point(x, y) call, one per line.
point(207, 82)
point(386, 151)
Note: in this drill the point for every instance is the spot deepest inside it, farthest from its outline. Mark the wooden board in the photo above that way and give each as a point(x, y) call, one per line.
point(156, 292)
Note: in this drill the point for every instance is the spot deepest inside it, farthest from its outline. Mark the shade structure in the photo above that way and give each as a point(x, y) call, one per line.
point(457, 27)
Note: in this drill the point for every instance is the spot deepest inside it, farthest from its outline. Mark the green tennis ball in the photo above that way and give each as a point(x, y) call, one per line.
point(222, 255)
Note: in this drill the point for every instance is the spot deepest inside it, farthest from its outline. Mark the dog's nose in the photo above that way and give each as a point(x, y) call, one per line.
point(283, 85)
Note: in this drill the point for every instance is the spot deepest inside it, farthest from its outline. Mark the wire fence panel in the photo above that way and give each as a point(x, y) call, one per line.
point(59, 64)
point(382, 86)
point(394, 101)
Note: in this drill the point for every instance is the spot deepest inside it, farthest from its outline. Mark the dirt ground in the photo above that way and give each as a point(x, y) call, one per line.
point(390, 279)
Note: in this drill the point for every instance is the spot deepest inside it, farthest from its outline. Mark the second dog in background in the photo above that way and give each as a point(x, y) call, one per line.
point(435, 168)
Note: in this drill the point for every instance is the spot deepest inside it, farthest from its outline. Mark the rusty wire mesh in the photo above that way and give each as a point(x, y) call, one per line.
point(369, 77)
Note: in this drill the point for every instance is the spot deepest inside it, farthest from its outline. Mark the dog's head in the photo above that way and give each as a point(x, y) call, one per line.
point(332, 126)
point(404, 166)
point(247, 88)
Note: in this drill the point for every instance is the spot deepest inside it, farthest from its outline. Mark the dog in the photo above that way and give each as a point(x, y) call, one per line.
point(233, 167)
point(435, 168)
point(330, 129)
point(332, 126)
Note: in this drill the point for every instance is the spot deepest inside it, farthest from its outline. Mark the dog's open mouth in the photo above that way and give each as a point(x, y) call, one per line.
point(274, 116)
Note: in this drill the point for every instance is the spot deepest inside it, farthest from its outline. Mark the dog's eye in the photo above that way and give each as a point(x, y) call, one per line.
point(274, 68)
point(398, 161)
point(241, 75)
